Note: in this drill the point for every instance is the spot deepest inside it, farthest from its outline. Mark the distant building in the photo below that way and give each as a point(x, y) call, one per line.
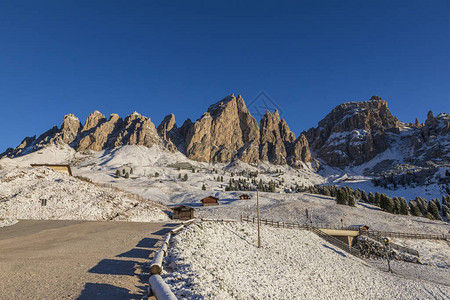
point(183, 212)
point(244, 197)
point(210, 200)
point(359, 227)
point(58, 168)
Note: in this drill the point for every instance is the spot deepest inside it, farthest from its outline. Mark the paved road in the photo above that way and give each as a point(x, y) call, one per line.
point(76, 259)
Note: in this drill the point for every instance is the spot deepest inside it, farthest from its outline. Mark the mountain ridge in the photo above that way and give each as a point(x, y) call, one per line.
point(351, 134)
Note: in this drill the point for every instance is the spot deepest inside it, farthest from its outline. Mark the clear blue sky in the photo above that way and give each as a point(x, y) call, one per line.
point(160, 57)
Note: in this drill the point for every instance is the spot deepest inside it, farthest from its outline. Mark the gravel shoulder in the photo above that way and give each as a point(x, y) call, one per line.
point(76, 259)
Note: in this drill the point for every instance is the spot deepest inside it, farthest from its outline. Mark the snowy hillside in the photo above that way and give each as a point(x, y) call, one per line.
point(172, 179)
point(41, 193)
point(221, 261)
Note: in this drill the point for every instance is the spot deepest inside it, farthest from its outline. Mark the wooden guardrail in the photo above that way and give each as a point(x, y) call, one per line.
point(280, 224)
point(160, 289)
point(158, 286)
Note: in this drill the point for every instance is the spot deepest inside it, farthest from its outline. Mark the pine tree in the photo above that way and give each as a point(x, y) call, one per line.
point(437, 202)
point(117, 174)
point(203, 187)
point(340, 197)
point(415, 210)
point(156, 174)
point(185, 178)
point(446, 212)
point(179, 175)
point(377, 199)
point(127, 175)
point(364, 196)
point(396, 209)
point(351, 200)
point(389, 204)
point(371, 198)
point(403, 206)
point(123, 171)
point(433, 210)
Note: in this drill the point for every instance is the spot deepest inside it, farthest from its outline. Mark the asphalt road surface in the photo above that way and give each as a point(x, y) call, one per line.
point(77, 259)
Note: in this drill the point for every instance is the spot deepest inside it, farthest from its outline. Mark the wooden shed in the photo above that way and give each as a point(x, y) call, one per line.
point(210, 200)
point(244, 197)
point(58, 168)
point(183, 212)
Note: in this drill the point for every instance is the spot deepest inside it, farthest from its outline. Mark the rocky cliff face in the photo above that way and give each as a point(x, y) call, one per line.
point(353, 133)
point(432, 140)
point(278, 144)
point(97, 134)
point(225, 132)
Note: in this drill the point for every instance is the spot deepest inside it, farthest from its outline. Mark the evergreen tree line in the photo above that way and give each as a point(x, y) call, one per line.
point(397, 205)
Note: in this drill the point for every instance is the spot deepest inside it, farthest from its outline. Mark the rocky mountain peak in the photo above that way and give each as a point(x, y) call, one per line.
point(93, 120)
point(169, 132)
point(224, 133)
point(375, 98)
point(430, 142)
point(353, 132)
point(277, 141)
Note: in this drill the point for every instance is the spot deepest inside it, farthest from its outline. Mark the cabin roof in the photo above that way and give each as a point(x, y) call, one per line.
point(182, 206)
point(210, 199)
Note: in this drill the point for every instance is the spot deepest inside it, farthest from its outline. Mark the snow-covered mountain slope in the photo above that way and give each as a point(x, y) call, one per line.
point(172, 179)
point(41, 193)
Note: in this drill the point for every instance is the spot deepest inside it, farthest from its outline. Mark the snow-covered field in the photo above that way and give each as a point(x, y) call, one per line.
point(432, 252)
point(221, 261)
point(41, 193)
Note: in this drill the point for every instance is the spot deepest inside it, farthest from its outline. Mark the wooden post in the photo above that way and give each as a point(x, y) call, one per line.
point(259, 229)
point(156, 266)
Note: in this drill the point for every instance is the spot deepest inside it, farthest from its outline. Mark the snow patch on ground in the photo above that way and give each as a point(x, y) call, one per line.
point(7, 222)
point(41, 193)
point(221, 261)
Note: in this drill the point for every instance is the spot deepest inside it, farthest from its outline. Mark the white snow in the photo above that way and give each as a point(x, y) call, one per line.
point(23, 191)
point(7, 222)
point(221, 261)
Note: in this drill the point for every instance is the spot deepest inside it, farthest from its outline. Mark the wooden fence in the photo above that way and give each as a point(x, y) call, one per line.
point(372, 233)
point(280, 224)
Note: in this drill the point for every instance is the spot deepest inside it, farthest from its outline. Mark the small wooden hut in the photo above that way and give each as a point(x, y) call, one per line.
point(183, 212)
point(210, 200)
point(244, 197)
point(58, 168)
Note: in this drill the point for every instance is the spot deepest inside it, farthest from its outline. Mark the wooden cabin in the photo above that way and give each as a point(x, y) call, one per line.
point(244, 197)
point(210, 200)
point(58, 168)
point(183, 212)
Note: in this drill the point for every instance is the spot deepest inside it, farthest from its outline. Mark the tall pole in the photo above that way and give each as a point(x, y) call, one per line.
point(259, 229)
